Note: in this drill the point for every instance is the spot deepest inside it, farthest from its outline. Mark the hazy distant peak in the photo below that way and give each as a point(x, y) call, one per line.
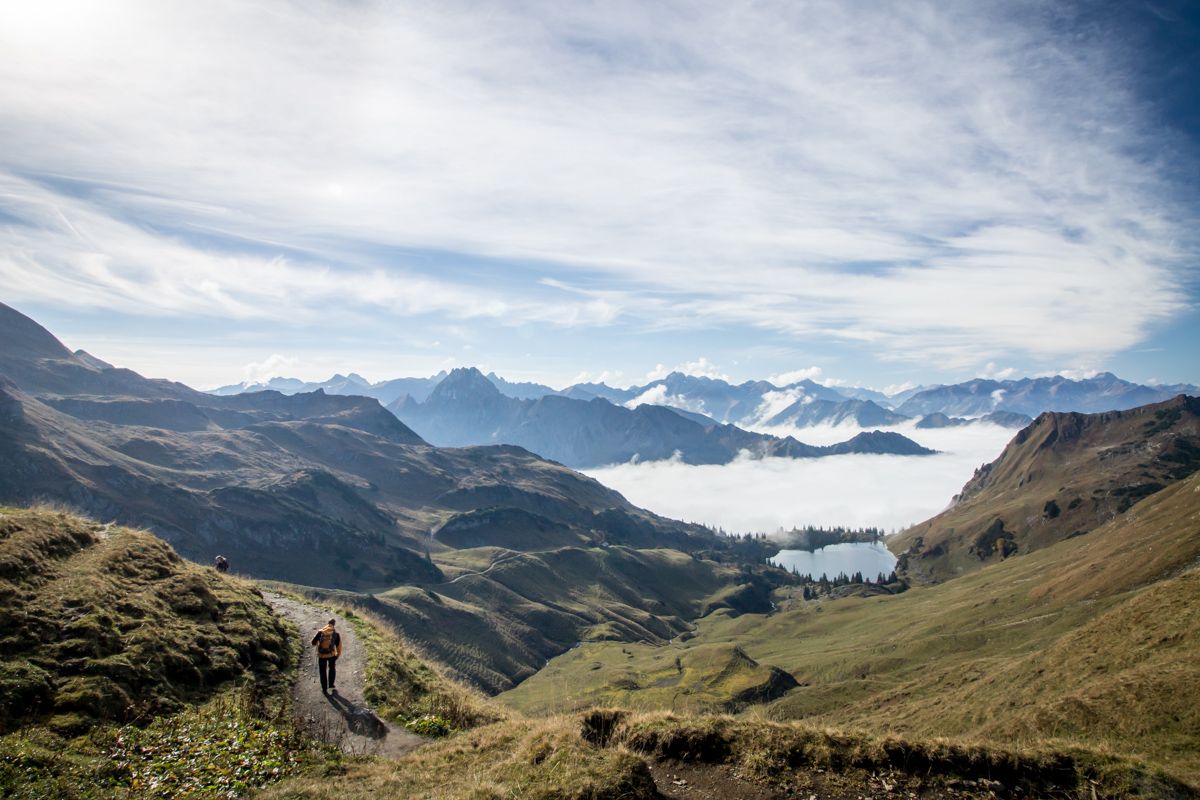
point(461, 373)
point(464, 383)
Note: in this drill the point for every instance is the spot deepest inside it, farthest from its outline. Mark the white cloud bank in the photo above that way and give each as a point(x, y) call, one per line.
point(273, 366)
point(856, 490)
point(679, 166)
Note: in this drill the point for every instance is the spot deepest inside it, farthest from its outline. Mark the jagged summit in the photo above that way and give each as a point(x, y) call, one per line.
point(464, 384)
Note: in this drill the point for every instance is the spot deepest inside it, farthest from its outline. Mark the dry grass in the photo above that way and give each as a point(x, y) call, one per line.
point(1063, 476)
point(787, 755)
point(518, 759)
point(402, 683)
point(605, 755)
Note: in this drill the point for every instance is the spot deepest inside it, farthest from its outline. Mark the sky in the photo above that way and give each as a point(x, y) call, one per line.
point(877, 194)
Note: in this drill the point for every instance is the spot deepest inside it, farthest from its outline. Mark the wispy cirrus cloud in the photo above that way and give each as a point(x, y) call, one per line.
point(67, 249)
point(955, 182)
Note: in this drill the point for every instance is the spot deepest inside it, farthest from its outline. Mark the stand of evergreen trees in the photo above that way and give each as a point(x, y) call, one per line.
point(814, 537)
point(815, 588)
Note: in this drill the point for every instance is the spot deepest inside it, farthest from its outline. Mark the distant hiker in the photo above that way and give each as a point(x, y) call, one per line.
point(329, 646)
point(222, 564)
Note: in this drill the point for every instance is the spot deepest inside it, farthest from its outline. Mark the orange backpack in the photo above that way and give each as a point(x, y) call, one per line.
point(326, 642)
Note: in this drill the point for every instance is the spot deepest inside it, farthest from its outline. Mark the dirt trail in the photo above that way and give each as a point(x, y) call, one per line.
point(343, 718)
point(490, 567)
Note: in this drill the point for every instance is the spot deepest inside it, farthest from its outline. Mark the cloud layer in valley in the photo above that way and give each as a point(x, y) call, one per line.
point(889, 492)
point(919, 181)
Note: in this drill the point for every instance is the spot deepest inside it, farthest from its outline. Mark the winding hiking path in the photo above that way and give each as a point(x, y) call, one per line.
point(342, 719)
point(490, 567)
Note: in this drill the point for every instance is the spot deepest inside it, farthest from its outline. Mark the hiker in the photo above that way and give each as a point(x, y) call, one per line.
point(329, 646)
point(221, 564)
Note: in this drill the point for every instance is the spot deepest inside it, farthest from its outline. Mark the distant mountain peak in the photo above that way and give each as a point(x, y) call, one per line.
point(462, 384)
point(353, 377)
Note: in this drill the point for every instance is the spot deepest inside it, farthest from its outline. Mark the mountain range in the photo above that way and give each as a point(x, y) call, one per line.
point(384, 391)
point(499, 551)
point(466, 408)
point(805, 403)
point(1053, 604)
point(320, 488)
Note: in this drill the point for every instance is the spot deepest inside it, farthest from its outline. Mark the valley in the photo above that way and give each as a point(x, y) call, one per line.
point(859, 490)
point(1049, 607)
point(627, 401)
point(1088, 642)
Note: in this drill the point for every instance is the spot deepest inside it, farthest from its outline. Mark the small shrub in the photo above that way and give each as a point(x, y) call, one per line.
point(430, 725)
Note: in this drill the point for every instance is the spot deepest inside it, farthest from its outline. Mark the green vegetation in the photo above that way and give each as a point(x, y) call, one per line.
point(404, 686)
point(1091, 643)
point(1061, 477)
point(107, 623)
point(814, 537)
point(134, 673)
point(231, 744)
point(705, 678)
point(610, 755)
point(530, 607)
point(221, 749)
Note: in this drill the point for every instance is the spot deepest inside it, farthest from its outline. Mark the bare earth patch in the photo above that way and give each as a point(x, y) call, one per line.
point(706, 782)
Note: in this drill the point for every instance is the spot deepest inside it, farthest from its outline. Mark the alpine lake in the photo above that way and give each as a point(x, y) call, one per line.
point(869, 558)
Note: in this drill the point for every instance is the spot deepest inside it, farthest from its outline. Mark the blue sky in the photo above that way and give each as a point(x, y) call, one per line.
point(877, 194)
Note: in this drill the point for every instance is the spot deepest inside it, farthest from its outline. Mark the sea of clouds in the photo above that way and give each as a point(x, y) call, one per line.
point(890, 492)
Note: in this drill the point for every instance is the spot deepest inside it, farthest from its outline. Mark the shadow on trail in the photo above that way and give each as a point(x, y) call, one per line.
point(359, 719)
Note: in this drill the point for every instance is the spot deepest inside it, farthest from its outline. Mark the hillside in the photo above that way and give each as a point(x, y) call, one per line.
point(180, 633)
point(103, 623)
point(501, 614)
point(311, 488)
point(1062, 476)
point(334, 492)
point(1092, 642)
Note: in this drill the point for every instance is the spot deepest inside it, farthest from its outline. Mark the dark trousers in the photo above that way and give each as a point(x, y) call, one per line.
point(327, 666)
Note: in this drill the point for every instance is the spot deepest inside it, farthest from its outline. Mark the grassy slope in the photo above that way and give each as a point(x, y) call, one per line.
point(1094, 641)
point(106, 626)
point(109, 623)
point(240, 740)
point(532, 606)
point(1062, 476)
point(609, 755)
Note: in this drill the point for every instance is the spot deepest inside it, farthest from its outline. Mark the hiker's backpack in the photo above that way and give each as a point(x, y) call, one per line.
point(326, 643)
